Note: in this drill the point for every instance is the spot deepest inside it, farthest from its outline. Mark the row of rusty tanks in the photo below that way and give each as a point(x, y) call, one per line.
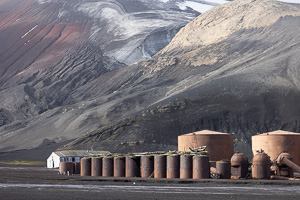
point(192, 160)
point(149, 165)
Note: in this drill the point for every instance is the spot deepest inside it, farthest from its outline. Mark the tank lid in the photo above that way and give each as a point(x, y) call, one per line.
point(205, 132)
point(278, 132)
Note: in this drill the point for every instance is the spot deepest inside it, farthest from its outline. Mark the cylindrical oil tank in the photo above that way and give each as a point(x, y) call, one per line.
point(261, 164)
point(186, 166)
point(66, 168)
point(132, 166)
point(119, 166)
point(76, 168)
point(85, 166)
point(108, 166)
point(239, 165)
point(173, 166)
point(147, 166)
point(201, 167)
point(96, 169)
point(273, 143)
point(224, 169)
point(219, 145)
point(160, 166)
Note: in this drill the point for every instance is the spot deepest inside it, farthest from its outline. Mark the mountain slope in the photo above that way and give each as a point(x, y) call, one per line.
point(243, 82)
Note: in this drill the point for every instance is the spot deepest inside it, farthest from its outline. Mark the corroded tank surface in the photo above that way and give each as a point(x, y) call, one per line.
point(66, 168)
point(273, 143)
point(239, 165)
point(261, 166)
point(85, 166)
point(160, 166)
point(224, 169)
point(119, 166)
point(108, 166)
point(173, 166)
point(96, 169)
point(76, 168)
point(132, 166)
point(147, 166)
point(201, 167)
point(186, 166)
point(285, 165)
point(219, 145)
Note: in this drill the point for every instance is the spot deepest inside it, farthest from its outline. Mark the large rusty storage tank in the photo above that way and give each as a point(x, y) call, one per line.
point(201, 167)
point(186, 166)
point(108, 166)
point(85, 166)
point(273, 143)
point(147, 166)
point(219, 145)
point(261, 166)
point(96, 166)
point(132, 168)
point(173, 166)
point(119, 166)
point(160, 166)
point(66, 168)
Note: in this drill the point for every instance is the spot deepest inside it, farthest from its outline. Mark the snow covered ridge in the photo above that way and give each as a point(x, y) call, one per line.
point(290, 1)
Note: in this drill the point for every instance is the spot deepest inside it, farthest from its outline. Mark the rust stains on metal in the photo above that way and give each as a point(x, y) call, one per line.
point(276, 142)
point(132, 166)
point(66, 168)
point(218, 145)
point(186, 166)
point(119, 166)
point(201, 167)
point(147, 166)
point(108, 166)
point(96, 169)
point(173, 166)
point(160, 166)
point(239, 166)
point(85, 164)
point(76, 168)
point(224, 169)
point(261, 166)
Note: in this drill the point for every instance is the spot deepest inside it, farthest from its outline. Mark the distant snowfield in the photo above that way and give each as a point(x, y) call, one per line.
point(199, 7)
point(290, 1)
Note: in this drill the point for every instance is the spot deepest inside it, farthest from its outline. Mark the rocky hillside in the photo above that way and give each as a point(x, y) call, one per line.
point(242, 80)
point(232, 69)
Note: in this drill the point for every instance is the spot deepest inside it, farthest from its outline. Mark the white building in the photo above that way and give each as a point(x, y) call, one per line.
point(71, 156)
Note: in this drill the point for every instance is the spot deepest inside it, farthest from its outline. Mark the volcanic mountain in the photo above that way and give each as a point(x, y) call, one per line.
point(235, 69)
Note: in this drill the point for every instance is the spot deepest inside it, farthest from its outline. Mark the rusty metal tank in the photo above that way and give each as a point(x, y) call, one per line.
point(85, 166)
point(66, 168)
point(186, 166)
point(173, 166)
point(219, 145)
point(119, 166)
point(285, 165)
point(273, 143)
point(224, 169)
point(160, 166)
point(239, 165)
point(132, 166)
point(201, 167)
point(96, 166)
point(261, 166)
point(76, 168)
point(108, 166)
point(147, 166)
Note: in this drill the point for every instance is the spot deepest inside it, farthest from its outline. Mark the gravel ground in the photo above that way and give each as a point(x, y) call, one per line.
point(41, 183)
